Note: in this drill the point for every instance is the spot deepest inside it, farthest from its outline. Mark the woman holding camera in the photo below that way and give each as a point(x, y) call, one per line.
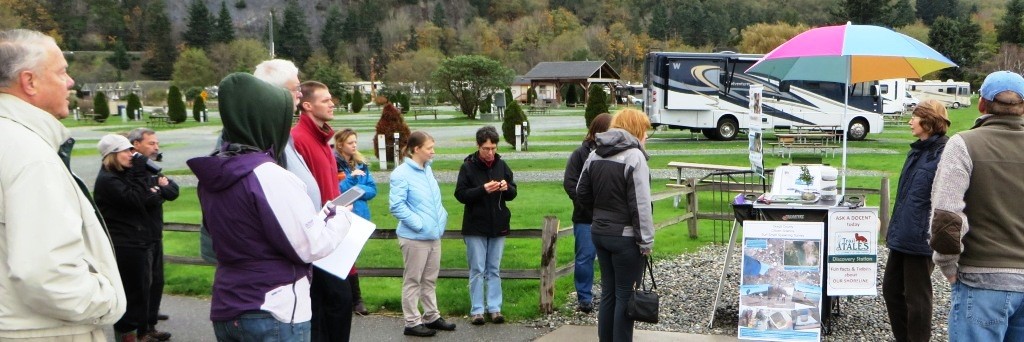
point(129, 200)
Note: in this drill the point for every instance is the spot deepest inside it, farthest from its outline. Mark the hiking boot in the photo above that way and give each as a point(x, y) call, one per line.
point(420, 331)
point(124, 336)
point(478, 319)
point(440, 324)
point(360, 308)
point(585, 307)
point(497, 318)
point(158, 335)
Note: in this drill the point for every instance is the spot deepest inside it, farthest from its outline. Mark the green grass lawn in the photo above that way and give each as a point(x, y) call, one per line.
point(539, 199)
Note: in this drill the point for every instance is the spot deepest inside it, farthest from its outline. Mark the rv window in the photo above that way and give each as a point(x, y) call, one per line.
point(965, 91)
point(942, 90)
point(951, 90)
point(913, 87)
point(882, 89)
point(784, 86)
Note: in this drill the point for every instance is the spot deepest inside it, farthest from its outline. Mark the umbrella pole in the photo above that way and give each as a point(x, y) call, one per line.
point(846, 126)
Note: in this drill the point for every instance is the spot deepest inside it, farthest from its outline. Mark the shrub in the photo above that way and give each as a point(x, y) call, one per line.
point(192, 93)
point(175, 105)
point(134, 104)
point(531, 95)
point(198, 107)
point(100, 107)
point(391, 121)
point(485, 105)
point(597, 103)
point(570, 95)
point(514, 115)
point(357, 100)
point(403, 99)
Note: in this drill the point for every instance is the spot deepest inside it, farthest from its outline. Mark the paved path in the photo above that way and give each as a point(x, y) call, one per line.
point(190, 322)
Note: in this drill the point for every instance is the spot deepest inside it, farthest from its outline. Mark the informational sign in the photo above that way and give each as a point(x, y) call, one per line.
point(755, 132)
point(780, 286)
point(852, 252)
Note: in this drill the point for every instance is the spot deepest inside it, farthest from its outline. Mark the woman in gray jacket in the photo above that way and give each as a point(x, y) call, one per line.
point(616, 185)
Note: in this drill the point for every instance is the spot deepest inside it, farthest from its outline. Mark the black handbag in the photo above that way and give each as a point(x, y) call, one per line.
point(643, 305)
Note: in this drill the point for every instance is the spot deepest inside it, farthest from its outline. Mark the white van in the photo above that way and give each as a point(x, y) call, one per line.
point(951, 93)
point(709, 92)
point(896, 99)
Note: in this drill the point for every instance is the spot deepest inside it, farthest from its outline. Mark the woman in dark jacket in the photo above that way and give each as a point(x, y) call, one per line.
point(583, 272)
point(130, 204)
point(906, 285)
point(616, 186)
point(485, 183)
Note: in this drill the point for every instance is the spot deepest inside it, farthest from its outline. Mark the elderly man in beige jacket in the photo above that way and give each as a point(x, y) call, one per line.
point(58, 276)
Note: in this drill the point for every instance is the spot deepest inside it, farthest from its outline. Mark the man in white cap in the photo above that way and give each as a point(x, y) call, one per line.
point(977, 231)
point(60, 279)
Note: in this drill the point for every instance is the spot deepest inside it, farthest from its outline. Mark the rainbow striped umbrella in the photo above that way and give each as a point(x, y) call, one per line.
point(850, 54)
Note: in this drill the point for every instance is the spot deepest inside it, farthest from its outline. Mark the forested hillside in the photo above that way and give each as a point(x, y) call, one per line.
point(402, 40)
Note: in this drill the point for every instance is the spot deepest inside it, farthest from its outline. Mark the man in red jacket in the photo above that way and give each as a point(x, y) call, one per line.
point(331, 295)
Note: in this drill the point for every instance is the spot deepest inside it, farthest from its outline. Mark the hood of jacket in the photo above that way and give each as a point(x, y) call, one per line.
point(222, 170)
point(255, 113)
point(616, 140)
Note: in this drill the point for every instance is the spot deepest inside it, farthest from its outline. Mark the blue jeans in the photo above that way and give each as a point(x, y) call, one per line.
point(583, 273)
point(484, 256)
point(621, 266)
point(985, 315)
point(260, 326)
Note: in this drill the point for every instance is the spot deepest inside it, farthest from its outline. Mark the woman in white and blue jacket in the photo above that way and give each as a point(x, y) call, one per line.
point(353, 172)
point(415, 200)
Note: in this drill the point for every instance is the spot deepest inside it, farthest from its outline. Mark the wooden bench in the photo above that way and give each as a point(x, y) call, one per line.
point(416, 112)
point(783, 148)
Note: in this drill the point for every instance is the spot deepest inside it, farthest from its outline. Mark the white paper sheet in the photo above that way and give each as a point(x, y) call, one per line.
point(340, 261)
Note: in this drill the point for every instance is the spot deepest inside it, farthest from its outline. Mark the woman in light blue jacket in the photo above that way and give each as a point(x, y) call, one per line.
point(415, 200)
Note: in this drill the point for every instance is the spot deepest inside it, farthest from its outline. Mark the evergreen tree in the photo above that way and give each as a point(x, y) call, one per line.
point(902, 14)
point(514, 115)
point(930, 10)
point(357, 100)
point(658, 28)
point(175, 105)
point(1011, 28)
point(531, 95)
point(294, 33)
point(225, 30)
point(200, 23)
point(331, 35)
point(957, 39)
point(570, 95)
point(198, 107)
point(485, 104)
point(134, 105)
point(120, 59)
point(100, 107)
point(597, 103)
point(160, 50)
point(864, 12)
point(439, 19)
point(413, 43)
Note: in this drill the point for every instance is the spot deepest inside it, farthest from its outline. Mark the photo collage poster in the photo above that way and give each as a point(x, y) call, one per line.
point(755, 132)
point(780, 284)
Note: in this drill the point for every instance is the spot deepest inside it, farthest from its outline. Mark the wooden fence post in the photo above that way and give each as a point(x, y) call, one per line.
point(691, 207)
point(883, 208)
point(548, 264)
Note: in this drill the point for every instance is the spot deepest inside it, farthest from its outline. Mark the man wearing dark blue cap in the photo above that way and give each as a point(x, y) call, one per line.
point(977, 231)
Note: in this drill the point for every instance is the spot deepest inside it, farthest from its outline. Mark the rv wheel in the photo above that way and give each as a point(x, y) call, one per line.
point(709, 133)
point(858, 129)
point(727, 128)
point(956, 105)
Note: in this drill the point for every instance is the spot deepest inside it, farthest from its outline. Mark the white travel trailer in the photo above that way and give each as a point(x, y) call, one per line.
point(709, 92)
point(895, 96)
point(951, 93)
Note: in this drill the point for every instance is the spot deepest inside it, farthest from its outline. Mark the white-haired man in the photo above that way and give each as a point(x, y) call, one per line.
point(60, 279)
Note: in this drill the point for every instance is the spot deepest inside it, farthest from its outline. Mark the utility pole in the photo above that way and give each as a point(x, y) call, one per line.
point(271, 34)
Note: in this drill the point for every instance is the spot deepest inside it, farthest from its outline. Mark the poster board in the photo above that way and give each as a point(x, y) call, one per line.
point(755, 132)
point(852, 252)
point(780, 283)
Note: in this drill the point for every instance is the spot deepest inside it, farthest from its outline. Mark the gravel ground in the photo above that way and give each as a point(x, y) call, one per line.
point(687, 286)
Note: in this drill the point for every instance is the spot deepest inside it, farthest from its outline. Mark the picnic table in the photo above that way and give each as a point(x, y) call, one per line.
point(709, 167)
point(90, 117)
point(159, 117)
point(816, 142)
point(537, 110)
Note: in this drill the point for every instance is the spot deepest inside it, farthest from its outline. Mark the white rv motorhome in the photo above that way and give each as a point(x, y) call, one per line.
point(895, 96)
point(709, 92)
point(951, 93)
